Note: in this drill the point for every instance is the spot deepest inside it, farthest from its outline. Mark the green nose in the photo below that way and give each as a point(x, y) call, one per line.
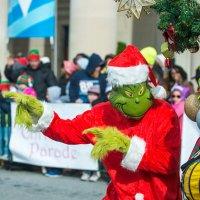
point(137, 101)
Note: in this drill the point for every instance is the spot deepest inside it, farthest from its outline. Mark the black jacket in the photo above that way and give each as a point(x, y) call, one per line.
point(43, 78)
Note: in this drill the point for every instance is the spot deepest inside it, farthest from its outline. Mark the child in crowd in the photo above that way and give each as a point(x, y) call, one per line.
point(93, 95)
point(177, 98)
point(24, 85)
point(53, 96)
point(67, 70)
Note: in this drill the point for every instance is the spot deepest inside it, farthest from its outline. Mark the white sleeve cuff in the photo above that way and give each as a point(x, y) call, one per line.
point(45, 120)
point(135, 154)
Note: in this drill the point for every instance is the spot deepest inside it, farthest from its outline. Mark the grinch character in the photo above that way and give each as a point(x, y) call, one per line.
point(135, 134)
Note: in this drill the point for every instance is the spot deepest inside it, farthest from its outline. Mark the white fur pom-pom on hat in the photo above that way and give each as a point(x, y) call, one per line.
point(159, 92)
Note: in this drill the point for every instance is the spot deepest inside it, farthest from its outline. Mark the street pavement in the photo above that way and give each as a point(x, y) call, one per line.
point(24, 185)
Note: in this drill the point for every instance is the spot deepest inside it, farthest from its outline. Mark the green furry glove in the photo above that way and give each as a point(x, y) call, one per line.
point(29, 109)
point(108, 139)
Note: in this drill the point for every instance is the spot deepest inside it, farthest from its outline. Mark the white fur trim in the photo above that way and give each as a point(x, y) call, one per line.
point(139, 196)
point(118, 76)
point(45, 120)
point(135, 153)
point(159, 92)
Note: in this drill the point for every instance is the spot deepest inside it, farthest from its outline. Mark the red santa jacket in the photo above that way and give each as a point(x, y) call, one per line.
point(150, 169)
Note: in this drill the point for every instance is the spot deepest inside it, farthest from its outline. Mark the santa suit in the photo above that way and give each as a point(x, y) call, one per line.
point(150, 169)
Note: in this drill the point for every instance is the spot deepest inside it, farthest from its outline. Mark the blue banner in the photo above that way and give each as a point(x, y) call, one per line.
point(31, 18)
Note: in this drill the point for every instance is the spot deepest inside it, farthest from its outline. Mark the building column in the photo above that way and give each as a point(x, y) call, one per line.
point(124, 28)
point(3, 35)
point(93, 27)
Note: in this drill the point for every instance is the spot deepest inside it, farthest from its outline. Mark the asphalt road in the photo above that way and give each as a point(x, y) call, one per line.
point(24, 185)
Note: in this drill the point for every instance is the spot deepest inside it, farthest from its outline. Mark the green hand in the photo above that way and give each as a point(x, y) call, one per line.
point(107, 140)
point(29, 109)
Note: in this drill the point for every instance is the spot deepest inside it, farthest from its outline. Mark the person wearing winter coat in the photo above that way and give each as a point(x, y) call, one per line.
point(82, 80)
point(43, 77)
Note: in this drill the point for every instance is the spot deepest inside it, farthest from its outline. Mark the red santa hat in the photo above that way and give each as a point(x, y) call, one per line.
point(130, 67)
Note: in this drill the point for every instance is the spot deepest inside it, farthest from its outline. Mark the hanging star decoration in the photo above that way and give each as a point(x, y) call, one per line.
point(134, 7)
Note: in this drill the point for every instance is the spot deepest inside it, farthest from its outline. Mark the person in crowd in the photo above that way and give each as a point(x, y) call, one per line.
point(177, 76)
point(43, 77)
point(81, 60)
point(82, 80)
point(177, 99)
point(46, 61)
point(67, 70)
point(13, 68)
point(93, 95)
point(53, 96)
point(197, 78)
point(103, 77)
point(24, 85)
point(159, 68)
point(5, 122)
point(21, 59)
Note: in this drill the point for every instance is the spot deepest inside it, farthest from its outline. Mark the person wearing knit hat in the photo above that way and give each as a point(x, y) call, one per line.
point(25, 79)
point(34, 58)
point(177, 98)
point(34, 55)
point(25, 85)
point(42, 75)
point(135, 134)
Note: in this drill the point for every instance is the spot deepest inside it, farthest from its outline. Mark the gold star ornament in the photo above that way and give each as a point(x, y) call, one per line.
point(133, 7)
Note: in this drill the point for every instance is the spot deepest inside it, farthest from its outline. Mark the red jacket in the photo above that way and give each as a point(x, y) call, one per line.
point(150, 169)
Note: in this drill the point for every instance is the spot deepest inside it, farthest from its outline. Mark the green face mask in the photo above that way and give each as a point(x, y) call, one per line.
point(132, 100)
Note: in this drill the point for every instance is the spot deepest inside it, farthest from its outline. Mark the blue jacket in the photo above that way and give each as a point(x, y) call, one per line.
point(82, 81)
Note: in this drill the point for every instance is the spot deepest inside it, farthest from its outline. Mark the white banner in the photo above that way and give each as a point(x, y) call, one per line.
point(36, 149)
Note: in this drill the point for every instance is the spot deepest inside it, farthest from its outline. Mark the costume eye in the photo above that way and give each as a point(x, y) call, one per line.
point(141, 92)
point(129, 94)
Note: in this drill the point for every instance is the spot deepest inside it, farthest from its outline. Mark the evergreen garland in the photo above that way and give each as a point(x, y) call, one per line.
point(184, 16)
